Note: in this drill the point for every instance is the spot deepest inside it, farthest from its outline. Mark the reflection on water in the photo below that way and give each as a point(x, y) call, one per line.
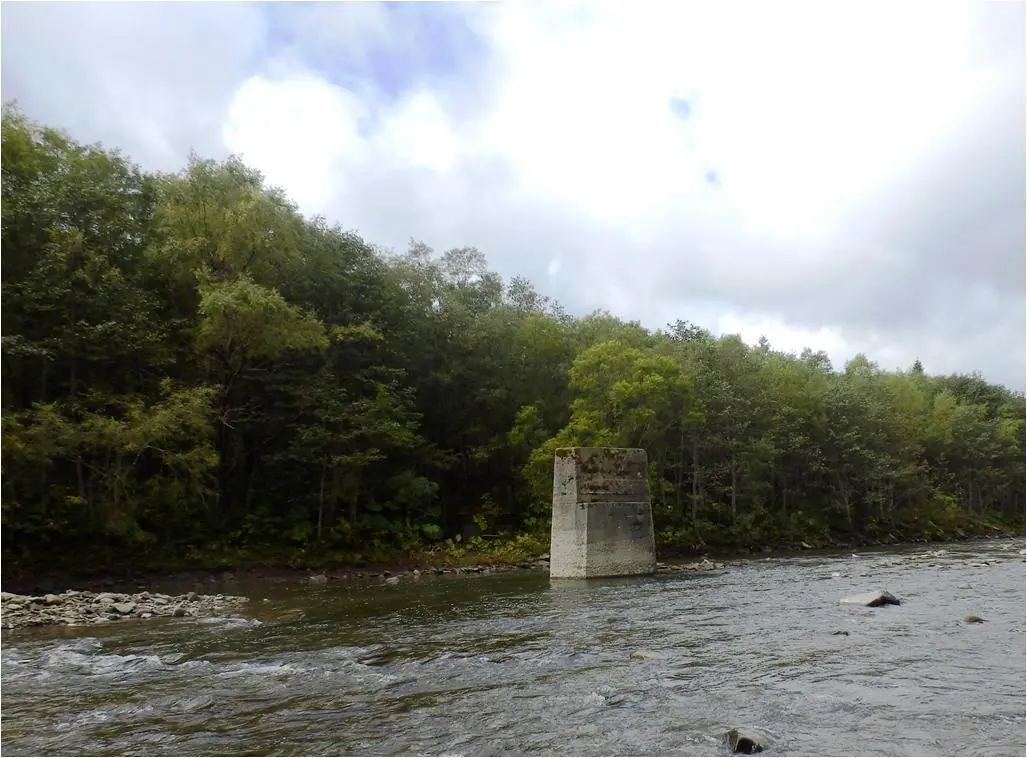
point(512, 664)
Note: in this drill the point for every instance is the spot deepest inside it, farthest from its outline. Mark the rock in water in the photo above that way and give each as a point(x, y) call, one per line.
point(872, 599)
point(974, 620)
point(746, 741)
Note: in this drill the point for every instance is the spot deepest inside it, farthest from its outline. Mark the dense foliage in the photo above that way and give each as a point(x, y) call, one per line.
point(192, 368)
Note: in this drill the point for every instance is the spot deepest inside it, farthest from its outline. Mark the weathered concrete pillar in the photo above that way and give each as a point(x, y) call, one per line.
point(602, 518)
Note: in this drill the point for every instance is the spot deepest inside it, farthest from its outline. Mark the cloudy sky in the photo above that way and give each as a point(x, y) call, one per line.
point(848, 176)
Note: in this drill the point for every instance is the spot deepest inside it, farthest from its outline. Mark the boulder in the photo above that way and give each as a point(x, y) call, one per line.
point(872, 599)
point(746, 741)
point(124, 608)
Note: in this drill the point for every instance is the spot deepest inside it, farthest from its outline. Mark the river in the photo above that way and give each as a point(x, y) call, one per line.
point(513, 664)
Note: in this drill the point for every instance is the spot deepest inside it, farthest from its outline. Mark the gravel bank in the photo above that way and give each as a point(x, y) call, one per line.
point(74, 608)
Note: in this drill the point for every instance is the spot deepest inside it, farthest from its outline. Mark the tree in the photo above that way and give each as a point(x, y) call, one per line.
point(195, 371)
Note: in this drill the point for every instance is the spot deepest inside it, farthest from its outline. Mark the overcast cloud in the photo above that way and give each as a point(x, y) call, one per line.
point(844, 176)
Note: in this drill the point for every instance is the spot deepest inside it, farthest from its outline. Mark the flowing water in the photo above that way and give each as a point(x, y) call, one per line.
point(513, 664)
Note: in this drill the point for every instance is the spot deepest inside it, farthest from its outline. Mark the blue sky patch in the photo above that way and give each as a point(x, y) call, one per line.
point(423, 42)
point(680, 107)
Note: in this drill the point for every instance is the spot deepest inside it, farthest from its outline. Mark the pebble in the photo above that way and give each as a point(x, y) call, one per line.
point(74, 608)
point(704, 565)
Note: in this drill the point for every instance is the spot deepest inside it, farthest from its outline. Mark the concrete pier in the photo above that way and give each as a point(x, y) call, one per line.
point(602, 517)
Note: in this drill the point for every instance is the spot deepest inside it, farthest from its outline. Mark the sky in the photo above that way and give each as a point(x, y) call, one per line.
point(845, 176)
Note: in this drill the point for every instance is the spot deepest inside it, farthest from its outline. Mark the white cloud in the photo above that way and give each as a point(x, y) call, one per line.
point(149, 78)
point(785, 338)
point(298, 131)
point(866, 158)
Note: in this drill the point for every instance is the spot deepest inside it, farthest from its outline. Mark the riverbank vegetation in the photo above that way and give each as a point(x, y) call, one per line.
point(195, 373)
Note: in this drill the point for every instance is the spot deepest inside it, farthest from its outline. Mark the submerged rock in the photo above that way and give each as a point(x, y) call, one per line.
point(746, 741)
point(872, 599)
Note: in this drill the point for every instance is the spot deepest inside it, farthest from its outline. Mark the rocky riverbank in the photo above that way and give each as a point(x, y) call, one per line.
point(394, 576)
point(81, 607)
point(225, 580)
point(74, 608)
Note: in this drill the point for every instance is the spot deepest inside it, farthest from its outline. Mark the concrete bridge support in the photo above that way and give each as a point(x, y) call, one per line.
point(602, 517)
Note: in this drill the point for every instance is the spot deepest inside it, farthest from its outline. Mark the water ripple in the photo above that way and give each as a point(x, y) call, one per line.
point(515, 665)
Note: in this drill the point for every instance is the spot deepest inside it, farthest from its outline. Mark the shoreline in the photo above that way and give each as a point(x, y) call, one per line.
point(83, 608)
point(115, 602)
point(135, 580)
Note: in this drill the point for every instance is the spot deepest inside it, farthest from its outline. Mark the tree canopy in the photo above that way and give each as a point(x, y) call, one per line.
point(190, 365)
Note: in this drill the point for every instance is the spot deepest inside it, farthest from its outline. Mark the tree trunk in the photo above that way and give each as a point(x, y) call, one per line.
point(678, 507)
point(734, 489)
point(696, 487)
point(843, 490)
point(321, 499)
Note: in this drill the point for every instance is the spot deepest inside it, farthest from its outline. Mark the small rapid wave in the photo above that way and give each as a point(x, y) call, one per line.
point(513, 665)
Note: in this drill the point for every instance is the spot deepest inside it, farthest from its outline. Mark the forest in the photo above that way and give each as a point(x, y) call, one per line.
point(196, 374)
